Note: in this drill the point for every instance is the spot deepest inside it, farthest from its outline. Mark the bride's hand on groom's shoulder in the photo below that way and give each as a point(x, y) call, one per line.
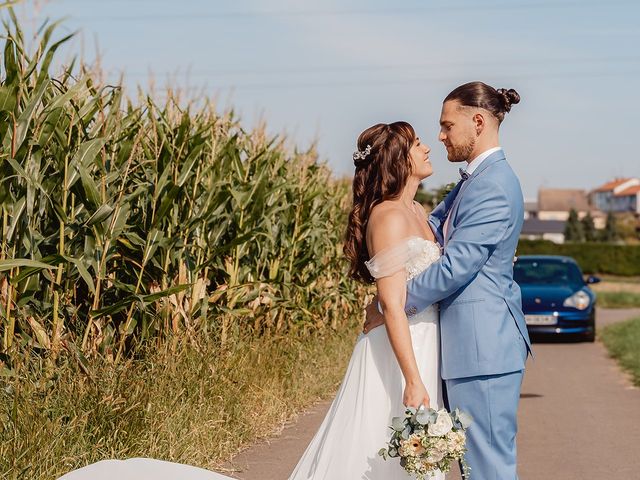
point(373, 318)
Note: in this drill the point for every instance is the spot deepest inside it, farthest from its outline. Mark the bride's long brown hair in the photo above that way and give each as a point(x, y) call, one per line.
point(381, 175)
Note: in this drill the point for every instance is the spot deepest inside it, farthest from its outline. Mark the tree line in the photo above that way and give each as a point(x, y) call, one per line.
point(584, 230)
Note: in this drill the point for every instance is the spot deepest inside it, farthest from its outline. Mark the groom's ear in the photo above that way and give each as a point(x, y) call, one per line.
point(479, 122)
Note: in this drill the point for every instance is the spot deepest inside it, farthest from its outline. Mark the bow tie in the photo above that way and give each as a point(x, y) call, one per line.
point(463, 174)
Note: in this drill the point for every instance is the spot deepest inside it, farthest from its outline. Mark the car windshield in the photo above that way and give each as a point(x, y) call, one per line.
point(546, 272)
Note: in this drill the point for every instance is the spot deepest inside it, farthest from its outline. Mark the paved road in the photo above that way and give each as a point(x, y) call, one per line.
point(579, 418)
point(579, 415)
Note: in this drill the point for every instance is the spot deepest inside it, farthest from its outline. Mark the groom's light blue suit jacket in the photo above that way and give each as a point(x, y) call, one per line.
point(482, 327)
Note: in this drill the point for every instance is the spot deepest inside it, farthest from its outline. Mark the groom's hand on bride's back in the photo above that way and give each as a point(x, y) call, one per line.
point(373, 316)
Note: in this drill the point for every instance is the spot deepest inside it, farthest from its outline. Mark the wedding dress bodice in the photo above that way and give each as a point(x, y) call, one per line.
point(414, 255)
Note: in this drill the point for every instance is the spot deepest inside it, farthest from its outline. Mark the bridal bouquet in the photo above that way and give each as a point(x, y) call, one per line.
point(427, 440)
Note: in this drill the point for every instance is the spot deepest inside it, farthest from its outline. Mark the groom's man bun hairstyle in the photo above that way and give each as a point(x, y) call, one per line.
point(480, 95)
point(383, 167)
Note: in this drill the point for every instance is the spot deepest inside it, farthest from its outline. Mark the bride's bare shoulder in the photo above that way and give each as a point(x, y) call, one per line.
point(388, 224)
point(388, 214)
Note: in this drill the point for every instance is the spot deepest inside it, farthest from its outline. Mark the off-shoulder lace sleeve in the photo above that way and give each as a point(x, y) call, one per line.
point(390, 260)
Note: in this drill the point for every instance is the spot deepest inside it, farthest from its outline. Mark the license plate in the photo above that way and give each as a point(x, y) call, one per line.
point(540, 319)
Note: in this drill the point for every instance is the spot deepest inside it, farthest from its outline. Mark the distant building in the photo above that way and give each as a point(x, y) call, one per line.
point(536, 229)
point(545, 218)
point(619, 195)
point(556, 203)
point(530, 209)
point(628, 200)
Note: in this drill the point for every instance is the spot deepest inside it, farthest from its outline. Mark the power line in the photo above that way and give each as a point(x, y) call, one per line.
point(553, 5)
point(405, 81)
point(572, 61)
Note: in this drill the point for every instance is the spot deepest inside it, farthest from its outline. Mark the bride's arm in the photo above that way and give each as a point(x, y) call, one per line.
point(388, 232)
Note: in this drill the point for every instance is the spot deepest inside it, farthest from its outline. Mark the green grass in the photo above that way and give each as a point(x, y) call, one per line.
point(172, 402)
point(623, 342)
point(618, 299)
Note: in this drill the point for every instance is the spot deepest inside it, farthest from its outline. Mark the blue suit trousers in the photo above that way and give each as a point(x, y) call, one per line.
point(492, 401)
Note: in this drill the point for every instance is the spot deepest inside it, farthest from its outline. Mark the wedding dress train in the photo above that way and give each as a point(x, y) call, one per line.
point(141, 469)
point(356, 427)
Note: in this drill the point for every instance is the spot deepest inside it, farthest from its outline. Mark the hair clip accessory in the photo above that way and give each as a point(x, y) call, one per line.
point(361, 155)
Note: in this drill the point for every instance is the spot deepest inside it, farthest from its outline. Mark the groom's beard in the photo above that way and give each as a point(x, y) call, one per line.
point(462, 152)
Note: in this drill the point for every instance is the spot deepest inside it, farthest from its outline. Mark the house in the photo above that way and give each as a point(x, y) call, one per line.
point(536, 229)
point(545, 218)
point(618, 195)
point(627, 200)
point(556, 203)
point(530, 209)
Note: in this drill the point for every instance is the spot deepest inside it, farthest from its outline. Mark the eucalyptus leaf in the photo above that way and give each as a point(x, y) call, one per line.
point(398, 423)
point(423, 417)
point(465, 419)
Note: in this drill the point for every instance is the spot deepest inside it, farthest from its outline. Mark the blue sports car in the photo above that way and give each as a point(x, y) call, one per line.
point(556, 299)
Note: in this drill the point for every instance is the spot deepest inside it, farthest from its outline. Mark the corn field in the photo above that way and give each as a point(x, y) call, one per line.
point(127, 221)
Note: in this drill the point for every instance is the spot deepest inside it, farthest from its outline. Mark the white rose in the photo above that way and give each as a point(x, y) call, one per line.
point(442, 426)
point(435, 455)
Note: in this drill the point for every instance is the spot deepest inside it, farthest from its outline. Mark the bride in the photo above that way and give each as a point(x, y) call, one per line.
point(388, 241)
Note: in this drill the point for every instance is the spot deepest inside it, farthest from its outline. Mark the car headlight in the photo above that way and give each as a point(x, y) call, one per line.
point(579, 300)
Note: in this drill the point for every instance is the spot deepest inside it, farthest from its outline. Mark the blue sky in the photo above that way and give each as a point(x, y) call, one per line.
point(328, 70)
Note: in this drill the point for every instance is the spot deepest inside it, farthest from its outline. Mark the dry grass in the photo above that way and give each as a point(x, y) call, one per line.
point(618, 292)
point(618, 285)
point(172, 402)
point(619, 299)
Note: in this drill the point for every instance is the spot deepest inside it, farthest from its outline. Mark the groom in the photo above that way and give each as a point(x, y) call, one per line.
point(484, 337)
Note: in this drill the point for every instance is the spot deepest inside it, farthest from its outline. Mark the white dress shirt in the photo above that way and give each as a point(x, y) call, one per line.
point(475, 163)
point(471, 167)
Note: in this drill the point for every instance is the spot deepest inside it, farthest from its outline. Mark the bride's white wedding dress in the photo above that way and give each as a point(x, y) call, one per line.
point(356, 427)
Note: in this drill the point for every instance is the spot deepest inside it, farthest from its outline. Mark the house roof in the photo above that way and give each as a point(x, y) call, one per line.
point(628, 191)
point(534, 226)
point(562, 200)
point(609, 186)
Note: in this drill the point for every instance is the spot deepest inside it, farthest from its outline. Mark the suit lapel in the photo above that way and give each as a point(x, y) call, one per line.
point(490, 160)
